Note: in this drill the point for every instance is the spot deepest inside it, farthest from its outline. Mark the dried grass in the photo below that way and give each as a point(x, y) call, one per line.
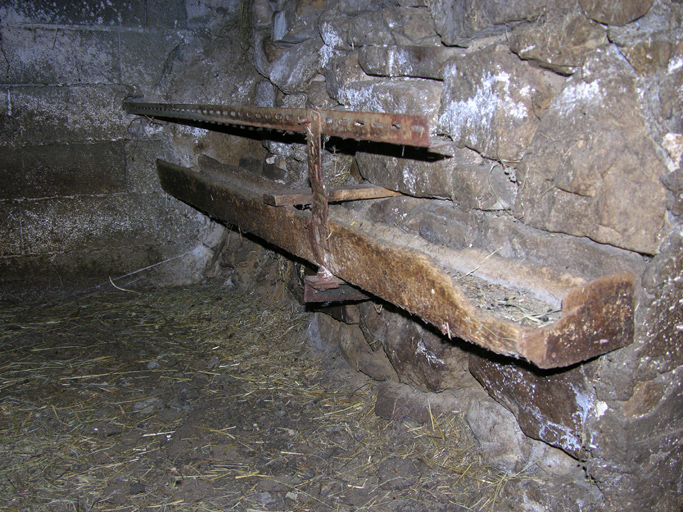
point(202, 398)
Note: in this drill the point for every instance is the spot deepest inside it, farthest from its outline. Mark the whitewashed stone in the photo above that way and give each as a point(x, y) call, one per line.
point(492, 102)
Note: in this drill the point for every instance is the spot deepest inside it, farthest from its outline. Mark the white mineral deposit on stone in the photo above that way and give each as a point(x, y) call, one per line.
point(410, 180)
point(580, 94)
point(675, 64)
point(361, 99)
point(326, 53)
point(429, 355)
point(600, 408)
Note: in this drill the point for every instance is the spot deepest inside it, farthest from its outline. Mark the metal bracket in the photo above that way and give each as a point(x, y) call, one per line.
point(389, 128)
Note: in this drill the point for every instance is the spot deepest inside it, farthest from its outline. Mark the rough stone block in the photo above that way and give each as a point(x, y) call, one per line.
point(591, 169)
point(62, 170)
point(408, 175)
point(59, 56)
point(560, 43)
point(456, 21)
point(352, 7)
point(397, 401)
point(334, 29)
point(674, 183)
point(420, 357)
point(442, 223)
point(492, 102)
point(618, 12)
point(47, 115)
point(369, 29)
point(146, 56)
point(412, 61)
point(296, 68)
point(341, 70)
point(552, 407)
point(297, 21)
point(484, 186)
point(79, 12)
point(411, 26)
point(399, 96)
point(662, 311)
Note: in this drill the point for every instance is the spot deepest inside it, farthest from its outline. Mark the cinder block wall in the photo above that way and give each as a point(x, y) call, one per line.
point(79, 196)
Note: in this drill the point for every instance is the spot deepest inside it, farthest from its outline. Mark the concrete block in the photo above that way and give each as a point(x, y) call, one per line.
point(166, 14)
point(35, 115)
point(141, 171)
point(10, 229)
point(92, 222)
point(61, 170)
point(59, 56)
point(119, 13)
point(146, 56)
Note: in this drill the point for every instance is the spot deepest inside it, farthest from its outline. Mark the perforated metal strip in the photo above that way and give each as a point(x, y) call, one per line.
point(410, 130)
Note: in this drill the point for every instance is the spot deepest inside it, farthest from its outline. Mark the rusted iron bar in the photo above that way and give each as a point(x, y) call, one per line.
point(596, 317)
point(411, 130)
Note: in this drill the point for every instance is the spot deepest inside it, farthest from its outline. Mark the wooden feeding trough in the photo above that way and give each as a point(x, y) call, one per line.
point(430, 281)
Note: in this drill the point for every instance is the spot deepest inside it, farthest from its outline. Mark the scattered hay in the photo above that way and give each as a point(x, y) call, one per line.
point(203, 398)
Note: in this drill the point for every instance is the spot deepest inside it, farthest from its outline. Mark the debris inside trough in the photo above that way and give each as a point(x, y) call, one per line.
point(206, 398)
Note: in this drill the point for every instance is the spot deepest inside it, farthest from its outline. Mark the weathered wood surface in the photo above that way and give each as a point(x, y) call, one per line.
point(596, 318)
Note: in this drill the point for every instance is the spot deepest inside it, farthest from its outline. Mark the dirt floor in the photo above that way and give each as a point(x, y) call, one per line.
point(204, 398)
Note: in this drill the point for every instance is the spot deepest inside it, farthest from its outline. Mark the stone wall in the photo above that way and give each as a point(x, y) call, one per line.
point(564, 120)
point(566, 131)
point(79, 197)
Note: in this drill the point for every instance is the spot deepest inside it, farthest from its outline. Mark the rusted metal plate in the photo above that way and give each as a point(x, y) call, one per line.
point(411, 130)
point(334, 195)
point(342, 292)
point(596, 318)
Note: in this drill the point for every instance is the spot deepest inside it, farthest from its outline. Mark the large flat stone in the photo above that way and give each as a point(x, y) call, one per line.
point(560, 43)
point(411, 26)
point(466, 177)
point(399, 96)
point(51, 56)
point(591, 169)
point(619, 12)
point(492, 102)
point(457, 21)
point(412, 61)
point(166, 14)
point(62, 170)
point(441, 222)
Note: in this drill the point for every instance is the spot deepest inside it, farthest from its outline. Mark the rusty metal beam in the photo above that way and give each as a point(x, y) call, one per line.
point(411, 130)
point(596, 317)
